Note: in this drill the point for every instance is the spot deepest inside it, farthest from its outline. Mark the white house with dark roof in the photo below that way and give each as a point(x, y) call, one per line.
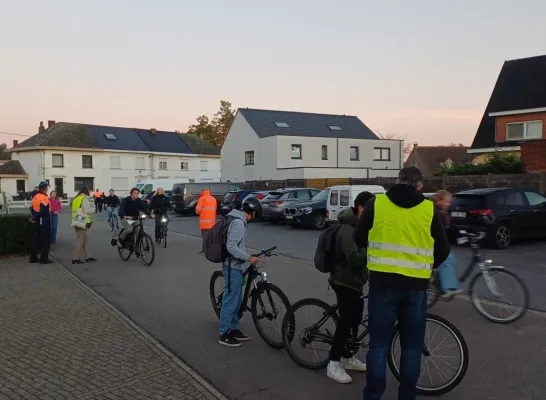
point(278, 145)
point(70, 156)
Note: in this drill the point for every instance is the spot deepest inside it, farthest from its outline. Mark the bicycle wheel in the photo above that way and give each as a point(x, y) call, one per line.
point(455, 366)
point(164, 236)
point(124, 253)
point(497, 298)
point(265, 308)
point(316, 332)
point(216, 290)
point(147, 250)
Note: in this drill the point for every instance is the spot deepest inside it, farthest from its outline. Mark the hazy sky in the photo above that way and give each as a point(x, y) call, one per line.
point(421, 69)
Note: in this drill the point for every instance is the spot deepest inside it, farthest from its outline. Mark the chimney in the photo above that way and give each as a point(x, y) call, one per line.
point(41, 128)
point(15, 143)
point(415, 145)
point(153, 131)
point(50, 124)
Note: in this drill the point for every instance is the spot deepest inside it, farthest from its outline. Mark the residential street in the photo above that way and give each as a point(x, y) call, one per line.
point(170, 300)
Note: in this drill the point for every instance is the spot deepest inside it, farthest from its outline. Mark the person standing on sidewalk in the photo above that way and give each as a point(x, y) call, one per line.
point(40, 216)
point(97, 198)
point(348, 279)
point(206, 209)
point(82, 201)
point(405, 239)
point(56, 207)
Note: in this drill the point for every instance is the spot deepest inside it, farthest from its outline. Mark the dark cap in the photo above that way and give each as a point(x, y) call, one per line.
point(362, 199)
point(42, 185)
point(411, 175)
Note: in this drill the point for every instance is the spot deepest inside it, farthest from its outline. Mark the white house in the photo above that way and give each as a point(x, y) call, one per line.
point(13, 178)
point(70, 156)
point(278, 145)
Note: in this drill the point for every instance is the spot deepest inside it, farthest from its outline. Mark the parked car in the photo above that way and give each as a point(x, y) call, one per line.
point(259, 195)
point(275, 202)
point(186, 195)
point(311, 213)
point(505, 214)
point(343, 196)
point(233, 199)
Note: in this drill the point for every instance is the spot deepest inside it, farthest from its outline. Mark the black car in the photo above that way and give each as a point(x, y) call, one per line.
point(186, 195)
point(233, 199)
point(310, 213)
point(275, 202)
point(505, 214)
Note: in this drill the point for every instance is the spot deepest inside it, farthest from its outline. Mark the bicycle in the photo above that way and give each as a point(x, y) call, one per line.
point(114, 221)
point(141, 245)
point(255, 284)
point(163, 229)
point(312, 334)
point(490, 275)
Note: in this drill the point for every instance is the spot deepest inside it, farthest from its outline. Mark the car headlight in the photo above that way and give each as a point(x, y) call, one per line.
point(306, 210)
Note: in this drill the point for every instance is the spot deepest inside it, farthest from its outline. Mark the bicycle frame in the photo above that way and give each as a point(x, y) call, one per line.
point(253, 284)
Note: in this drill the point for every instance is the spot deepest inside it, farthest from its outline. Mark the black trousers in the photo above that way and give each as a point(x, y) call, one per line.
point(351, 309)
point(40, 242)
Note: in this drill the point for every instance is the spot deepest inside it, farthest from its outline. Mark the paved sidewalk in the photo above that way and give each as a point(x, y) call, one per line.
point(59, 340)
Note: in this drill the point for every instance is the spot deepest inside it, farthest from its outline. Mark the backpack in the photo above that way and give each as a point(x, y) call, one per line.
point(325, 254)
point(215, 241)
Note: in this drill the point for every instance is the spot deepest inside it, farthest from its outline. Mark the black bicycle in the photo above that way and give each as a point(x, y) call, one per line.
point(490, 276)
point(260, 291)
point(142, 245)
point(163, 229)
point(114, 221)
point(317, 336)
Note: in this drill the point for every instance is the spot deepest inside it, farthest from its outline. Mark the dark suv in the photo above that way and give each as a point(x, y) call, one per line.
point(275, 202)
point(309, 213)
point(505, 214)
point(233, 199)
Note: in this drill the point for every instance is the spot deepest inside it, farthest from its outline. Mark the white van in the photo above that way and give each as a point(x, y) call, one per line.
point(343, 196)
point(148, 186)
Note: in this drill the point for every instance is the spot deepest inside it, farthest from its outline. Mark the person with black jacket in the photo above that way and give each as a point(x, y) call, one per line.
point(348, 279)
point(405, 239)
point(130, 210)
point(112, 202)
point(159, 205)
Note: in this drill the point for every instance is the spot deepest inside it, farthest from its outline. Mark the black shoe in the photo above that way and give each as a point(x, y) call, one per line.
point(239, 336)
point(227, 340)
point(90, 259)
point(47, 262)
point(34, 261)
point(77, 262)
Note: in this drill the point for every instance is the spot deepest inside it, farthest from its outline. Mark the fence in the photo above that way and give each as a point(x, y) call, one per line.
point(532, 181)
point(19, 206)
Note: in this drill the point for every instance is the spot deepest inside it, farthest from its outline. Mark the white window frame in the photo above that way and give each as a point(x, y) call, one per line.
point(204, 165)
point(249, 157)
point(381, 150)
point(163, 165)
point(186, 164)
point(115, 162)
point(324, 152)
point(524, 123)
point(84, 158)
point(143, 163)
point(53, 162)
point(357, 153)
point(296, 146)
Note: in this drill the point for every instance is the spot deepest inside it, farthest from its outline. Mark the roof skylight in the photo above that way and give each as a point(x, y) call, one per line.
point(110, 136)
point(282, 125)
point(335, 127)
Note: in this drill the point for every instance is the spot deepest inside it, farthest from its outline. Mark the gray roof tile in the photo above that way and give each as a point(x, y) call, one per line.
point(12, 167)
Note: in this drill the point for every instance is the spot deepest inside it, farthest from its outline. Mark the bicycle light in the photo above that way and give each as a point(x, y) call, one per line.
point(264, 275)
point(488, 262)
point(163, 219)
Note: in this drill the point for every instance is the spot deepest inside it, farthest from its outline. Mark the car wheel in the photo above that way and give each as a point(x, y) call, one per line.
point(319, 221)
point(503, 237)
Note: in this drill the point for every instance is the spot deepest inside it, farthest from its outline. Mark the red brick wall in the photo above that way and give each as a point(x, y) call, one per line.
point(533, 156)
point(502, 121)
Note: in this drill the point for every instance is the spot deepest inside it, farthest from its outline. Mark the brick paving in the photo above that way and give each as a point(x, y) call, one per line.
point(59, 341)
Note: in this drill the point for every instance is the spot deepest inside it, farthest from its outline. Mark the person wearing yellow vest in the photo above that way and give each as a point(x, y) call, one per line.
point(206, 209)
point(405, 241)
point(82, 201)
point(41, 218)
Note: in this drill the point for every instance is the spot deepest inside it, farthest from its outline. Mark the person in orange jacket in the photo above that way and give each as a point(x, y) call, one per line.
point(206, 209)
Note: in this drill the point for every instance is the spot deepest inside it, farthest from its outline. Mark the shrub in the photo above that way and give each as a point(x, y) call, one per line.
point(496, 164)
point(15, 234)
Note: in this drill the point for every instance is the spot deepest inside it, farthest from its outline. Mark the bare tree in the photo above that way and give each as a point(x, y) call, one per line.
point(393, 136)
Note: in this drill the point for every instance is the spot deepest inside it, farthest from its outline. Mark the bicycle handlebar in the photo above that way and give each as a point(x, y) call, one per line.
point(265, 252)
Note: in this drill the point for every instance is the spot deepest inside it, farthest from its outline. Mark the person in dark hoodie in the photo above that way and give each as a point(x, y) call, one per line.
point(348, 279)
point(405, 239)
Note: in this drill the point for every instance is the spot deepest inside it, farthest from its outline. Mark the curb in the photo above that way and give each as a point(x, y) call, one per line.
point(166, 352)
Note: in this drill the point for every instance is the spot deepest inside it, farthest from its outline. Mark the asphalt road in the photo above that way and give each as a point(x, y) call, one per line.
point(170, 300)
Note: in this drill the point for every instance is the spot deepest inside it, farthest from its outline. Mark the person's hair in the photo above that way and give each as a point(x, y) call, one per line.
point(160, 189)
point(112, 190)
point(83, 190)
point(52, 192)
point(410, 176)
point(133, 189)
point(440, 195)
point(362, 199)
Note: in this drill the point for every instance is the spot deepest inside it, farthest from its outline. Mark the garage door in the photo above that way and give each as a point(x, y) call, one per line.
point(120, 184)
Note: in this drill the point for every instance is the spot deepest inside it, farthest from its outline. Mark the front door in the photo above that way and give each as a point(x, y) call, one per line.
point(59, 187)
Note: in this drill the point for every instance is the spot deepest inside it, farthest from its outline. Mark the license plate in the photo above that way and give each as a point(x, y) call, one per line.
point(456, 214)
point(289, 217)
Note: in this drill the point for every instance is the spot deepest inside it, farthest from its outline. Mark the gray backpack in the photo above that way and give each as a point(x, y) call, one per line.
point(215, 241)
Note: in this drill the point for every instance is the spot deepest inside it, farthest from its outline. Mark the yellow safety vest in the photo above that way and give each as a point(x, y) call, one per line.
point(400, 241)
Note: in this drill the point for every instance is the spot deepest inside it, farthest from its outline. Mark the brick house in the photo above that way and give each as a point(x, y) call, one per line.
point(533, 156)
point(516, 112)
point(429, 159)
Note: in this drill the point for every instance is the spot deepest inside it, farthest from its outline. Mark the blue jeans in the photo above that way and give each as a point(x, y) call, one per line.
point(385, 307)
point(448, 274)
point(110, 211)
point(54, 225)
point(231, 301)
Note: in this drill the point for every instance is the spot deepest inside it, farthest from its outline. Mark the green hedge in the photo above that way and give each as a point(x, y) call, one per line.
point(15, 234)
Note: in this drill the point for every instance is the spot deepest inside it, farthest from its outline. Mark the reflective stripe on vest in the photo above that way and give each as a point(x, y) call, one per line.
point(400, 241)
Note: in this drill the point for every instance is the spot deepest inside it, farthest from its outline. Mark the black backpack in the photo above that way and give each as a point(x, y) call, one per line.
point(215, 241)
point(325, 255)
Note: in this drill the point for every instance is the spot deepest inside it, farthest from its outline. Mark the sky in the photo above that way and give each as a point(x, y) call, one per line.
point(423, 70)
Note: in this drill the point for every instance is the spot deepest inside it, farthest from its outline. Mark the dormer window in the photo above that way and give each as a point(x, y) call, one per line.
point(282, 125)
point(335, 127)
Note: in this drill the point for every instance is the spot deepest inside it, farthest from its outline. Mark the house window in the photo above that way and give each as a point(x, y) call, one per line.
point(84, 181)
point(163, 165)
point(296, 152)
point(110, 136)
point(115, 162)
point(20, 183)
point(324, 152)
point(524, 130)
point(335, 127)
point(139, 163)
point(354, 153)
point(204, 165)
point(120, 184)
point(249, 157)
point(87, 161)
point(57, 160)
point(184, 166)
point(382, 154)
point(282, 125)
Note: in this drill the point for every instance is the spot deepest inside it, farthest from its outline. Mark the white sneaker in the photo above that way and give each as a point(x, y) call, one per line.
point(352, 364)
point(337, 373)
point(451, 293)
